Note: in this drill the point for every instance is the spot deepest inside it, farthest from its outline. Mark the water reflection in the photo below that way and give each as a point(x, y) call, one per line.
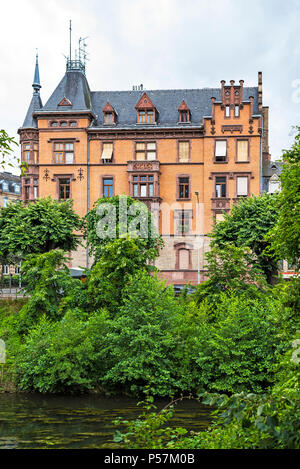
point(35, 421)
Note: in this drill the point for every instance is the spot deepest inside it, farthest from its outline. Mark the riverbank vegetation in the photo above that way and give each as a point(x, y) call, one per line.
point(232, 343)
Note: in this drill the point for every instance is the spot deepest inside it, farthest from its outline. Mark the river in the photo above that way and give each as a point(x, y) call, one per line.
point(34, 421)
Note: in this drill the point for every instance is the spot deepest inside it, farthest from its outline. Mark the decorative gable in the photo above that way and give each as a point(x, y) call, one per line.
point(65, 102)
point(145, 103)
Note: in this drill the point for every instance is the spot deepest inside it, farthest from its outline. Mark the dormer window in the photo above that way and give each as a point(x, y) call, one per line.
point(109, 114)
point(146, 111)
point(146, 117)
point(184, 113)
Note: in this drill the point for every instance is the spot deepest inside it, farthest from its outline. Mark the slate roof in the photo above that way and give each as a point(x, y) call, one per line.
point(166, 103)
point(74, 86)
point(35, 105)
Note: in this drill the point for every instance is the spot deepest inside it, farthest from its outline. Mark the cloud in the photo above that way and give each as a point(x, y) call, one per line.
point(160, 43)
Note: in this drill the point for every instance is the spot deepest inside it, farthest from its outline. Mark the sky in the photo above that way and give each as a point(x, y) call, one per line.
point(161, 44)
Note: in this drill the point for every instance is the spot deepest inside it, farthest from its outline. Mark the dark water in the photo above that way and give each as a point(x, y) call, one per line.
point(35, 421)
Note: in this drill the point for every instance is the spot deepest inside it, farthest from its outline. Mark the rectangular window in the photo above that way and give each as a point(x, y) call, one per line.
point(5, 269)
point(184, 188)
point(108, 187)
point(221, 187)
point(242, 150)
point(236, 111)
point(5, 202)
point(242, 186)
point(35, 153)
point(184, 152)
point(221, 150)
point(64, 189)
point(227, 111)
point(27, 192)
point(145, 151)
point(183, 218)
point(64, 153)
point(107, 152)
point(108, 118)
point(146, 117)
point(184, 116)
point(143, 186)
point(35, 192)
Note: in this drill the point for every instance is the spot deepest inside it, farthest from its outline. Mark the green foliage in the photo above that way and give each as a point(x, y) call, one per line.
point(232, 269)
point(285, 236)
point(6, 143)
point(149, 431)
point(55, 357)
point(48, 280)
point(140, 343)
point(40, 227)
point(121, 258)
point(247, 226)
point(123, 211)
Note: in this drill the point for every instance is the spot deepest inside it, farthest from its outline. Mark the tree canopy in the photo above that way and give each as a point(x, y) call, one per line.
point(118, 217)
point(285, 235)
point(247, 225)
point(38, 227)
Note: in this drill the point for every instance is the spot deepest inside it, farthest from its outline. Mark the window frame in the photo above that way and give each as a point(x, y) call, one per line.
point(236, 150)
point(188, 141)
point(226, 186)
point(178, 184)
point(215, 151)
point(55, 151)
point(105, 161)
point(146, 151)
point(139, 183)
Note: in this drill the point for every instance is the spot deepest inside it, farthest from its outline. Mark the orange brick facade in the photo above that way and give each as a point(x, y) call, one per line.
point(230, 119)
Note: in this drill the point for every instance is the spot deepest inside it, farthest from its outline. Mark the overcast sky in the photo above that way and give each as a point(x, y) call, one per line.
point(161, 43)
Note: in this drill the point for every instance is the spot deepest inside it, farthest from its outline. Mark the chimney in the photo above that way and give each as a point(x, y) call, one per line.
point(260, 92)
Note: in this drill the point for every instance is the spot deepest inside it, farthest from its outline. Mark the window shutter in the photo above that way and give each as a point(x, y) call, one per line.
point(242, 185)
point(221, 147)
point(242, 150)
point(107, 151)
point(184, 148)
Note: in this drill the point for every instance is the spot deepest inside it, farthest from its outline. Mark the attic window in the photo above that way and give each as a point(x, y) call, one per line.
point(73, 124)
point(64, 124)
point(146, 117)
point(54, 124)
point(146, 111)
point(109, 114)
point(184, 112)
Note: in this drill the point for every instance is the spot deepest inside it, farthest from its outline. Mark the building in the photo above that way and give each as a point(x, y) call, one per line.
point(271, 176)
point(189, 154)
point(10, 188)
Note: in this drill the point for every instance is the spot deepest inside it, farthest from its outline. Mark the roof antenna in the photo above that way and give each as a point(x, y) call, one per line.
point(70, 40)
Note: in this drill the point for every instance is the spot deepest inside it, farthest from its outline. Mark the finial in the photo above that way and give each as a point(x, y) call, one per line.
point(36, 81)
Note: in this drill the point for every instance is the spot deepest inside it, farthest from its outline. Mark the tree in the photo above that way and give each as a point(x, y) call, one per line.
point(285, 235)
point(38, 227)
point(247, 225)
point(5, 148)
point(118, 217)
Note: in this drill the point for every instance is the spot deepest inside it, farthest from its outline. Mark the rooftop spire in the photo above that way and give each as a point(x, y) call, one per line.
point(36, 81)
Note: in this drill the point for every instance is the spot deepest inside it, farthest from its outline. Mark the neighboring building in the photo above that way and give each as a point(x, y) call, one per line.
point(194, 148)
point(271, 176)
point(10, 188)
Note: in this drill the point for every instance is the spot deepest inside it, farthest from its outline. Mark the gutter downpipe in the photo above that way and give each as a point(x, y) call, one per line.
point(261, 144)
point(88, 191)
